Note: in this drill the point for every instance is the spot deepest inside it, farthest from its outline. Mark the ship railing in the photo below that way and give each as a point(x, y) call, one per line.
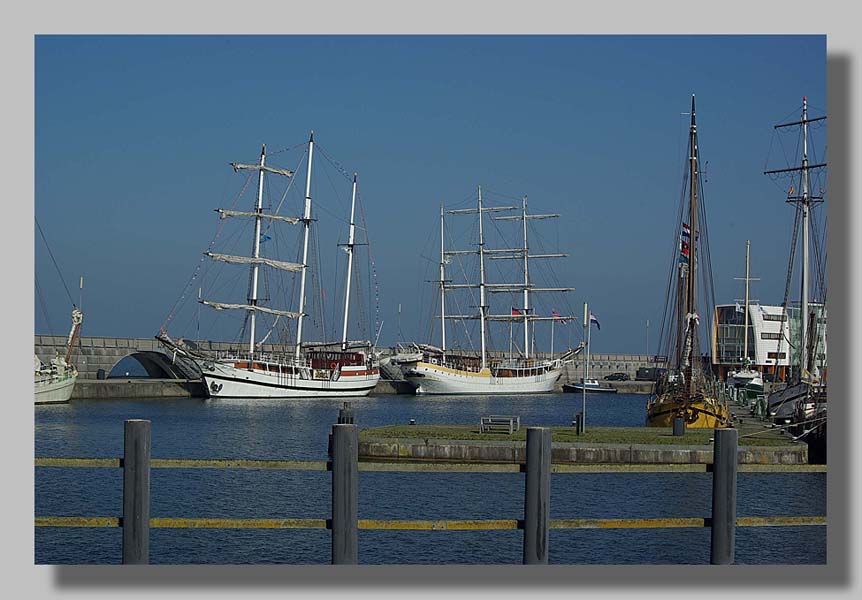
point(344, 524)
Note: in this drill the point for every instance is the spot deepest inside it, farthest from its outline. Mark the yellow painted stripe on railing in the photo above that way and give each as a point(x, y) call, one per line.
point(77, 522)
point(230, 463)
point(439, 525)
point(755, 468)
point(779, 521)
point(665, 523)
point(628, 468)
point(78, 462)
point(440, 467)
point(182, 523)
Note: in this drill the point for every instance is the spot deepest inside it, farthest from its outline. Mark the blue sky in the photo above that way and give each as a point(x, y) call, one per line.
point(133, 136)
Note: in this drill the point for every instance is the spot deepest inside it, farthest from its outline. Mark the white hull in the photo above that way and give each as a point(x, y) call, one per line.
point(54, 389)
point(224, 380)
point(434, 379)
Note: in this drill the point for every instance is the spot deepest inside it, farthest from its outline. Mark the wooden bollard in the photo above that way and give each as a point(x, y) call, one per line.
point(345, 493)
point(537, 492)
point(723, 539)
point(136, 492)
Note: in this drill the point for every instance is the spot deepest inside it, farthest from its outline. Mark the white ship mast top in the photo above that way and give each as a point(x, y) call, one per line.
point(350, 246)
point(442, 282)
point(255, 260)
point(482, 307)
point(306, 219)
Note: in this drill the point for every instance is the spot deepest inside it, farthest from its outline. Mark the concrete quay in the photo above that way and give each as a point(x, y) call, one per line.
point(132, 389)
point(496, 451)
point(94, 353)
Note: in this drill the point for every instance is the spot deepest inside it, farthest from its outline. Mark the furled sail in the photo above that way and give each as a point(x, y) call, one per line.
point(224, 213)
point(264, 309)
point(285, 172)
point(261, 260)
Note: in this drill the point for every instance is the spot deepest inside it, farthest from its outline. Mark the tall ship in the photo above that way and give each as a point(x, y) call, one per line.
point(444, 370)
point(801, 398)
point(306, 369)
point(688, 389)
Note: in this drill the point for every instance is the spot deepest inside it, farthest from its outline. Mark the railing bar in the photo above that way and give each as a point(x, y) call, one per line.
point(442, 467)
point(428, 525)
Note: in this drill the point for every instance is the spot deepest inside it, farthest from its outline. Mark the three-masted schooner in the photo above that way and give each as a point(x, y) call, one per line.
point(444, 371)
point(687, 389)
point(312, 369)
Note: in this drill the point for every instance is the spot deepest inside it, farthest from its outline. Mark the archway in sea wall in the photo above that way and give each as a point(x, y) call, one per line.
point(154, 365)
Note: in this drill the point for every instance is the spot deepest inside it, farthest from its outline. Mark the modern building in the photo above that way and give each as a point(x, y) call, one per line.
point(772, 335)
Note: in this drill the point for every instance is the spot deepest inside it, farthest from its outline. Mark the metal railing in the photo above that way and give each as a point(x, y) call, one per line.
point(344, 524)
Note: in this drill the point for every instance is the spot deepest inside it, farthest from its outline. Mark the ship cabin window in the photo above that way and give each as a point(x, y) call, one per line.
point(323, 360)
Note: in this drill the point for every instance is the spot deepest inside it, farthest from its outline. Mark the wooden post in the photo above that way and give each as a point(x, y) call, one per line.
point(136, 492)
point(537, 492)
point(345, 492)
point(724, 461)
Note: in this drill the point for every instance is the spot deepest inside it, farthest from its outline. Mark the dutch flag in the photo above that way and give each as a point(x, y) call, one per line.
point(593, 319)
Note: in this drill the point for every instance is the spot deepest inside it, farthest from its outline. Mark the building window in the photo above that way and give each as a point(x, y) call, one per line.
point(770, 336)
point(776, 355)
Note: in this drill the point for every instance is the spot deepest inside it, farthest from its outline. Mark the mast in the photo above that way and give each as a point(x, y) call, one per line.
point(803, 314)
point(350, 245)
point(745, 342)
point(306, 220)
point(805, 200)
point(691, 292)
point(526, 285)
point(443, 281)
point(255, 267)
point(482, 278)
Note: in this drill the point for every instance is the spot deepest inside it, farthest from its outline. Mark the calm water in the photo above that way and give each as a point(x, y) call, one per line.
point(282, 429)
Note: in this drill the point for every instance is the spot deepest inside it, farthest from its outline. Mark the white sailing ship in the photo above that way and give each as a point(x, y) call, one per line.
point(444, 371)
point(55, 381)
point(321, 369)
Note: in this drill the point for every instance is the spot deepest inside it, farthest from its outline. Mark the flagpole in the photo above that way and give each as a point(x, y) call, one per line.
point(552, 337)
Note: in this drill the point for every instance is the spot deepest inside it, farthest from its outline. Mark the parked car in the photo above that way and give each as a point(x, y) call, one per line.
point(617, 377)
point(650, 373)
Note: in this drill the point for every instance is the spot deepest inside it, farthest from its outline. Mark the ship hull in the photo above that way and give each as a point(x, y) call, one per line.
point(55, 390)
point(227, 381)
point(704, 413)
point(436, 379)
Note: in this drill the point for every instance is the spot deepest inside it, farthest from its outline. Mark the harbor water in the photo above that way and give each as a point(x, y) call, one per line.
point(298, 429)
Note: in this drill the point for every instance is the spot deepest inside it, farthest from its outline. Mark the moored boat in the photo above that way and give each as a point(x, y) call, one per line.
point(443, 371)
point(687, 389)
point(804, 394)
point(54, 382)
point(316, 369)
point(590, 385)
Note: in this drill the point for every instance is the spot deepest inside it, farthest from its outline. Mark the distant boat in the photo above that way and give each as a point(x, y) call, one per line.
point(316, 369)
point(591, 385)
point(687, 389)
point(444, 371)
point(54, 382)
